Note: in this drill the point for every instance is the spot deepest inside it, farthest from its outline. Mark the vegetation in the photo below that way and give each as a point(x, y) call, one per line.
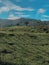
point(22, 22)
point(24, 45)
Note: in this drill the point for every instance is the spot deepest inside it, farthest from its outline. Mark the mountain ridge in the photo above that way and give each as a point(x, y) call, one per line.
point(22, 22)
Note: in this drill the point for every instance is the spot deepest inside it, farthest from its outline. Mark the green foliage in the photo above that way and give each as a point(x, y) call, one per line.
point(24, 46)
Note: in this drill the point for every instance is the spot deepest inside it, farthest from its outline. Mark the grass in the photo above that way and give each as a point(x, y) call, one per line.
point(23, 46)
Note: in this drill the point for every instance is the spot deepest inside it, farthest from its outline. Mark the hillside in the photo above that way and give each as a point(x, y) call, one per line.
point(22, 22)
point(24, 45)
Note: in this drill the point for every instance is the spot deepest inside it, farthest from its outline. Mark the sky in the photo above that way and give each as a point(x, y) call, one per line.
point(15, 9)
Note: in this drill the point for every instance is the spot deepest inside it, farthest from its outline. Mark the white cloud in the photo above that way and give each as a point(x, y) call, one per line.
point(4, 9)
point(45, 16)
point(24, 15)
point(41, 11)
point(44, 19)
point(10, 6)
point(28, 9)
point(13, 17)
point(18, 8)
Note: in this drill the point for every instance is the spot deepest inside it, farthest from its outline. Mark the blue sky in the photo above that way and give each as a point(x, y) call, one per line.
point(14, 9)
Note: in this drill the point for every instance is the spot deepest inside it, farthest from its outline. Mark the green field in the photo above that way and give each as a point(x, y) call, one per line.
point(23, 45)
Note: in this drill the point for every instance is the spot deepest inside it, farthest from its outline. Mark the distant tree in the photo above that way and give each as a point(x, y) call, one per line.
point(26, 23)
point(47, 31)
point(17, 24)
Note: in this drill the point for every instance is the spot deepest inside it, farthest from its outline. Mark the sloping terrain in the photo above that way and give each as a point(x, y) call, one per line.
point(24, 45)
point(22, 22)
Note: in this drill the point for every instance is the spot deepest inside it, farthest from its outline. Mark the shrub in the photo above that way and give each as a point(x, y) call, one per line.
point(10, 43)
point(11, 35)
point(2, 34)
point(5, 51)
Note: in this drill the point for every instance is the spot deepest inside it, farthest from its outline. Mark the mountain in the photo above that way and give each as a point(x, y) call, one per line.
point(22, 22)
